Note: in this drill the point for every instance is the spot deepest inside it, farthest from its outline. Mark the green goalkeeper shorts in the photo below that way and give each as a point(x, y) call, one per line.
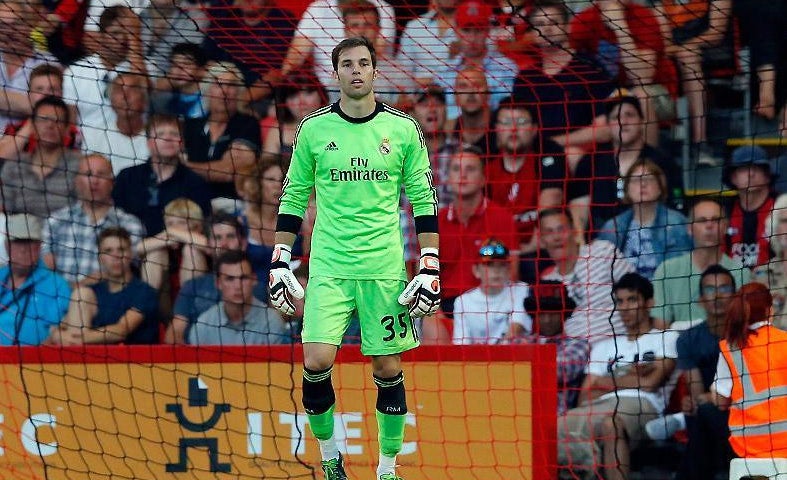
point(386, 326)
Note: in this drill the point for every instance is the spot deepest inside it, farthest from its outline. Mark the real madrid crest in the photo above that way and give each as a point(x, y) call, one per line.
point(385, 146)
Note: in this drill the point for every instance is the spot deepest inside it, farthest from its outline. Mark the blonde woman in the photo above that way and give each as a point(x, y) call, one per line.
point(648, 232)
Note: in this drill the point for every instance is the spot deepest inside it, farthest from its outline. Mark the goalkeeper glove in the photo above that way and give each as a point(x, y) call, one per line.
point(282, 284)
point(423, 291)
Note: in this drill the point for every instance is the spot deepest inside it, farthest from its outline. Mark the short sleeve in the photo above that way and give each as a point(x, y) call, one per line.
point(553, 169)
point(147, 301)
point(519, 315)
point(580, 184)
point(184, 304)
point(597, 365)
point(686, 358)
point(722, 383)
point(460, 335)
point(248, 134)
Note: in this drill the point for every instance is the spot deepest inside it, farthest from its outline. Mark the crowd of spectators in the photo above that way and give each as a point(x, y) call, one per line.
point(145, 145)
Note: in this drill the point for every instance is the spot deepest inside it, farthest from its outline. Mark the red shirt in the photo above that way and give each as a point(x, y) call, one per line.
point(590, 35)
point(519, 191)
point(459, 243)
point(747, 234)
point(72, 139)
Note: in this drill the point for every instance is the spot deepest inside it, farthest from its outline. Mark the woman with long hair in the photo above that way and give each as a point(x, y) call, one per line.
point(751, 376)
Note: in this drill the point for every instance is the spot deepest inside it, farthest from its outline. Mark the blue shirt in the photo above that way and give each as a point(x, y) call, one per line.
point(199, 294)
point(500, 70)
point(137, 295)
point(27, 313)
point(699, 348)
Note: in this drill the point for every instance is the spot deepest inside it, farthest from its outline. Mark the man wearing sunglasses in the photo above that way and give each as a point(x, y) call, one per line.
point(698, 353)
point(493, 312)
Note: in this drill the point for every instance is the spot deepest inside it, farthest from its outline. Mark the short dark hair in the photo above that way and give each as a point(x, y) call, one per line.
point(52, 101)
point(46, 69)
point(222, 218)
point(636, 282)
point(544, 4)
point(513, 103)
point(349, 43)
point(230, 257)
point(553, 211)
point(718, 270)
point(722, 211)
point(117, 232)
point(192, 50)
point(110, 15)
point(162, 119)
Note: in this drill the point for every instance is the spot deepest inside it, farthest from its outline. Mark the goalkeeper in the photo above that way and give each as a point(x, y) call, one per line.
point(356, 154)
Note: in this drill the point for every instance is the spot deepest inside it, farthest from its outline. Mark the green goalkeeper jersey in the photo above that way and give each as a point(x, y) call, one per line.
point(356, 167)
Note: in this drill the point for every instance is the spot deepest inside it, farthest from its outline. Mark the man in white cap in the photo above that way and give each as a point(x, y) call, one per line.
point(33, 297)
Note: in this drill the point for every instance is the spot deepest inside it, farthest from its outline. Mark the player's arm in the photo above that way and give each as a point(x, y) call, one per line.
point(423, 291)
point(298, 185)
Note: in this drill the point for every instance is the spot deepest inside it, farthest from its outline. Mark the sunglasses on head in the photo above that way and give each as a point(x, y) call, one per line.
point(493, 250)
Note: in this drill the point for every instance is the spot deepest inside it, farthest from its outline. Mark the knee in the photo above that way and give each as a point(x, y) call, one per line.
point(612, 427)
point(387, 366)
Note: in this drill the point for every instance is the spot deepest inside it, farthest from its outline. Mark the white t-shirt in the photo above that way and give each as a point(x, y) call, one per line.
point(617, 355)
point(484, 319)
point(85, 84)
point(121, 150)
point(322, 23)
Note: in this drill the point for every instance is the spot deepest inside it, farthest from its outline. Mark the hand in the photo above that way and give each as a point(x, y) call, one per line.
point(423, 291)
point(282, 284)
point(644, 369)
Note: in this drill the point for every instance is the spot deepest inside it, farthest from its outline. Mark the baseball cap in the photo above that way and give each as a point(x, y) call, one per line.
point(431, 90)
point(22, 226)
point(748, 155)
point(492, 250)
point(473, 14)
point(549, 296)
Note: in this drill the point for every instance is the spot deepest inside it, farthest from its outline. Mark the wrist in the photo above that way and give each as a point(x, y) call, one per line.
point(430, 260)
point(281, 253)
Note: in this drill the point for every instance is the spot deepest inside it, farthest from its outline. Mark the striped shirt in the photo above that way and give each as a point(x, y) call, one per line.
point(598, 266)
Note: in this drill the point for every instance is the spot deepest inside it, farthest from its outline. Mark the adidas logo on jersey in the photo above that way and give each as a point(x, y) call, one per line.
point(331, 147)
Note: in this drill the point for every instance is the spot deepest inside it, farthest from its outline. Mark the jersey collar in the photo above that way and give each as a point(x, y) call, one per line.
point(377, 109)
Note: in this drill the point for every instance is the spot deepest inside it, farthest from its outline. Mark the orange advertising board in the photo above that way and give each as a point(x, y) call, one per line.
point(195, 413)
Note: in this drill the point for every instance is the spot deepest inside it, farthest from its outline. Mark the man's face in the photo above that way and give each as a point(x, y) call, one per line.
point(625, 125)
point(114, 256)
point(750, 177)
point(224, 92)
point(355, 72)
point(492, 274)
point(466, 175)
point(549, 323)
point(224, 237)
point(252, 8)
point(515, 130)
point(445, 6)
point(708, 226)
point(94, 182)
point(716, 291)
point(51, 125)
point(430, 114)
point(164, 140)
point(556, 235)
point(236, 283)
point(550, 27)
point(632, 307)
point(44, 86)
point(114, 43)
point(471, 91)
point(362, 24)
point(183, 70)
point(23, 256)
point(472, 40)
point(272, 181)
point(128, 96)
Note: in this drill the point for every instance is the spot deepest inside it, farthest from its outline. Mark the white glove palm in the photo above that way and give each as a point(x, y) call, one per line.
point(283, 287)
point(423, 291)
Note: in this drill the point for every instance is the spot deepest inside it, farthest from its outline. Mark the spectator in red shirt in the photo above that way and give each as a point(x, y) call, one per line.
point(467, 222)
point(749, 172)
point(45, 80)
point(626, 39)
point(529, 172)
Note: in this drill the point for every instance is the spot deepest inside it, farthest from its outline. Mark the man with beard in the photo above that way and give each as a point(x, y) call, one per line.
point(529, 172)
